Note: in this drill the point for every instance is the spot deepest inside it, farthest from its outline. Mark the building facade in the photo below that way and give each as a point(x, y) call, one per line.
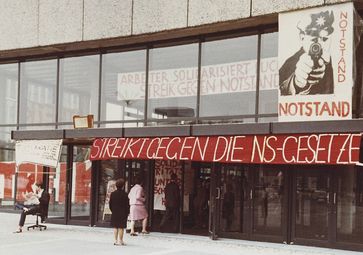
point(190, 87)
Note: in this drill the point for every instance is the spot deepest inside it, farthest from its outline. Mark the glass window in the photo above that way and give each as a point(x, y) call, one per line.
point(123, 87)
point(7, 169)
point(57, 187)
point(269, 75)
point(38, 85)
point(9, 94)
point(350, 204)
point(228, 77)
point(173, 83)
point(110, 172)
point(78, 87)
point(81, 183)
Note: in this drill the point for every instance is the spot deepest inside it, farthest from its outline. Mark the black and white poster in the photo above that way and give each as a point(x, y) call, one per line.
point(316, 63)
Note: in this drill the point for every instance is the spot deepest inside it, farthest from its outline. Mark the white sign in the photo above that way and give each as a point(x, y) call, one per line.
point(43, 152)
point(111, 187)
point(215, 79)
point(316, 63)
point(2, 186)
point(163, 171)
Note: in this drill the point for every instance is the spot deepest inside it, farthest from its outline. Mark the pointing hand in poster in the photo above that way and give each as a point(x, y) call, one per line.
point(308, 73)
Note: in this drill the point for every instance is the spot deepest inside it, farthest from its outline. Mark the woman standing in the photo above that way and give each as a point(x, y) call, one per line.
point(119, 206)
point(137, 207)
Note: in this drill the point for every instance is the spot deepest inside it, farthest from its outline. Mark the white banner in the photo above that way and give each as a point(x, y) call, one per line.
point(163, 171)
point(215, 79)
point(43, 152)
point(316, 63)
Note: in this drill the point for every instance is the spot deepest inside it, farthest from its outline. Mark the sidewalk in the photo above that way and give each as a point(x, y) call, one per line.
point(76, 240)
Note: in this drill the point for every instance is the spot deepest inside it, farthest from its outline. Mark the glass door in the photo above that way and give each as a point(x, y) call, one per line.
point(80, 179)
point(234, 203)
point(314, 206)
point(56, 180)
point(269, 204)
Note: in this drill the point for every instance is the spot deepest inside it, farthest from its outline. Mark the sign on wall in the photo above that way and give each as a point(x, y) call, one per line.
point(233, 77)
point(42, 152)
point(316, 63)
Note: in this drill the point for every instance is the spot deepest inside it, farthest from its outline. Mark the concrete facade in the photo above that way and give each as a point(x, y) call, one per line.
point(158, 15)
point(60, 21)
point(262, 7)
point(106, 18)
point(33, 23)
point(218, 10)
point(18, 24)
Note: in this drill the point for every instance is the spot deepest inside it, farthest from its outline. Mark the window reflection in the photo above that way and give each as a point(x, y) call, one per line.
point(173, 82)
point(123, 87)
point(9, 94)
point(78, 92)
point(38, 91)
point(228, 77)
point(269, 75)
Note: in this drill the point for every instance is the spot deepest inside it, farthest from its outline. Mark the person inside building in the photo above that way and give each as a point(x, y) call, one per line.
point(41, 208)
point(228, 206)
point(172, 205)
point(137, 207)
point(309, 71)
point(119, 206)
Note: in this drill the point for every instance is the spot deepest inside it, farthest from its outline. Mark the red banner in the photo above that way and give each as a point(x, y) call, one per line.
point(260, 149)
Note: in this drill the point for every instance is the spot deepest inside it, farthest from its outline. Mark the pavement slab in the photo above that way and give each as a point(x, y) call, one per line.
point(75, 240)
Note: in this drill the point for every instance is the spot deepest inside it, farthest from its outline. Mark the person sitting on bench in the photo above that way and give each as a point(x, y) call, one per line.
point(41, 208)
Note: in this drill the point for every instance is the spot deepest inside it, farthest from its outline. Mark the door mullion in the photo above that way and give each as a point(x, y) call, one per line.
point(333, 204)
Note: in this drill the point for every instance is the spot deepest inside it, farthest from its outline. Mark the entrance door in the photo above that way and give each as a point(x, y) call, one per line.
point(80, 186)
point(197, 193)
point(269, 203)
point(234, 203)
point(251, 202)
point(313, 206)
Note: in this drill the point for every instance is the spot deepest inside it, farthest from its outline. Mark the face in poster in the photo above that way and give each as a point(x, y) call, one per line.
point(316, 63)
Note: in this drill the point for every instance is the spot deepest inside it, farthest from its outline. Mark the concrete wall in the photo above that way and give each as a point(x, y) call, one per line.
point(32, 23)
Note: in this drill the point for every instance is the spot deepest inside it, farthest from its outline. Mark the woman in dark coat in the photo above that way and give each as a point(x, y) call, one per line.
point(119, 206)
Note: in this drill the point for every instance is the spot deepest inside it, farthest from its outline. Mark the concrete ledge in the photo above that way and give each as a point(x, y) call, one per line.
point(157, 131)
point(231, 129)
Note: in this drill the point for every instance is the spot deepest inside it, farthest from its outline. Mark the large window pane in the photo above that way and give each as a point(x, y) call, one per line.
point(173, 82)
point(9, 93)
point(228, 77)
point(123, 87)
point(38, 82)
point(78, 92)
point(58, 187)
point(269, 75)
point(350, 204)
point(7, 169)
point(81, 183)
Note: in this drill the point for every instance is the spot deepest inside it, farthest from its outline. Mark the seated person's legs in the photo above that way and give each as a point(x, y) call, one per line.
point(32, 210)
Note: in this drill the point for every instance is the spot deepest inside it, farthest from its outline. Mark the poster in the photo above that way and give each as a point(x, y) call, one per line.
point(316, 63)
point(163, 171)
point(111, 187)
point(42, 152)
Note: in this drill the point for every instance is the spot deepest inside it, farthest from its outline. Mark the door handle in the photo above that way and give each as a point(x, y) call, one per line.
point(218, 193)
point(328, 197)
point(335, 198)
point(251, 194)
